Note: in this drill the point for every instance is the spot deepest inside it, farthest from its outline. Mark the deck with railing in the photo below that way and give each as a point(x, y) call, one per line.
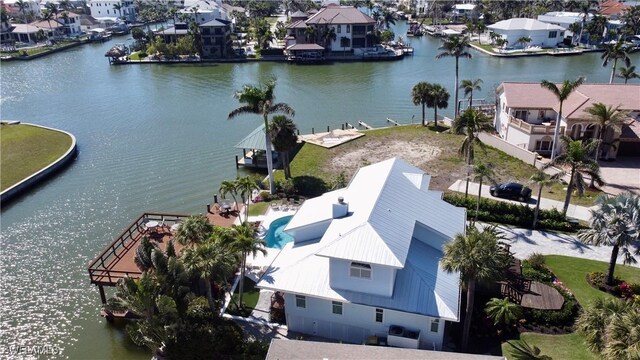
point(534, 129)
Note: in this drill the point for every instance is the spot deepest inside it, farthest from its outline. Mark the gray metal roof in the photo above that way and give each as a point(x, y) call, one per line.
point(255, 140)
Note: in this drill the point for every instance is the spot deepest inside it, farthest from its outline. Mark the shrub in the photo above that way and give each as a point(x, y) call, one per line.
point(536, 261)
point(559, 318)
point(542, 274)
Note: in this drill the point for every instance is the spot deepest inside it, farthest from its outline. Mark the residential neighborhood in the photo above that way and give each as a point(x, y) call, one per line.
point(320, 179)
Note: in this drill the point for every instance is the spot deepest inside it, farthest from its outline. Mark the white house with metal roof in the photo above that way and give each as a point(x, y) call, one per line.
point(365, 261)
point(541, 34)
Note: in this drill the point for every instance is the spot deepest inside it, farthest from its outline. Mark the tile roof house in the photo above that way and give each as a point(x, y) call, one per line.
point(365, 260)
point(542, 34)
point(526, 115)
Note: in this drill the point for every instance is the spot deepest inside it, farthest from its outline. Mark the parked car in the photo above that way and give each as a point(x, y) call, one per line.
point(511, 191)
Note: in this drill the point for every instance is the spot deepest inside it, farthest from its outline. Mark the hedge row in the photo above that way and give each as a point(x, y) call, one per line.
point(519, 215)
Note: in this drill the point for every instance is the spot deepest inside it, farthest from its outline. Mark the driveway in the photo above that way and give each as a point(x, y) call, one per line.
point(620, 175)
point(574, 211)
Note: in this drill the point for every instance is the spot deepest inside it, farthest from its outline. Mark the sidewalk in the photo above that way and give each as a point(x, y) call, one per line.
point(574, 211)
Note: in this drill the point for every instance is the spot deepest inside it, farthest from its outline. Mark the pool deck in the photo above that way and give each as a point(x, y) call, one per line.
point(261, 261)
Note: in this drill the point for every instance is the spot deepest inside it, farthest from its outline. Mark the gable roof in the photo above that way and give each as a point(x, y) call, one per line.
point(339, 15)
point(255, 140)
point(524, 24)
point(534, 96)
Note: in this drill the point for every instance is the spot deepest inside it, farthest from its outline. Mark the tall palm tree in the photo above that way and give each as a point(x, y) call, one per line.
point(469, 86)
point(438, 99)
point(481, 172)
point(328, 35)
point(615, 52)
point(477, 258)
point(541, 179)
point(246, 243)
point(245, 186)
point(283, 132)
point(260, 100)
point(118, 7)
point(47, 16)
point(503, 311)
point(420, 96)
point(195, 230)
point(22, 5)
point(229, 187)
point(577, 158)
point(628, 73)
point(616, 222)
point(471, 123)
point(606, 117)
point(631, 19)
point(455, 46)
point(561, 93)
point(209, 261)
point(585, 11)
point(387, 18)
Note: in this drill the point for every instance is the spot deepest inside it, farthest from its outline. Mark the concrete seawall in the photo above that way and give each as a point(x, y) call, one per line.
point(19, 188)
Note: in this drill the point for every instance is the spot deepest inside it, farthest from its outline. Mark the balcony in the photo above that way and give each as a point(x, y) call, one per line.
point(399, 336)
point(544, 129)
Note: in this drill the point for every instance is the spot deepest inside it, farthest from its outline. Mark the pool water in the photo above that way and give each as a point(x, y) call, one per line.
point(276, 237)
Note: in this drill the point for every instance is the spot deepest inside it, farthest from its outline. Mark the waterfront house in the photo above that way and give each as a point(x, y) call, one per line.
point(215, 36)
point(101, 9)
point(541, 34)
point(204, 11)
point(31, 9)
point(365, 261)
point(526, 116)
point(350, 25)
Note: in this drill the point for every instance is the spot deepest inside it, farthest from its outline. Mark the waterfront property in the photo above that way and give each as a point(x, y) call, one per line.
point(254, 150)
point(526, 116)
point(104, 9)
point(365, 261)
point(539, 33)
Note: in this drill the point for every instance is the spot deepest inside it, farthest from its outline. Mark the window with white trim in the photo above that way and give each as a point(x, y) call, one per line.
point(360, 270)
point(379, 315)
point(336, 307)
point(435, 324)
point(301, 301)
point(553, 34)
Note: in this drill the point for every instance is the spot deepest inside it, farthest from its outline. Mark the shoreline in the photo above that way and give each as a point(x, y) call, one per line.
point(548, 52)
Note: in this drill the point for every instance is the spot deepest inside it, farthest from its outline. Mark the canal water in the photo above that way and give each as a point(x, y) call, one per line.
point(157, 138)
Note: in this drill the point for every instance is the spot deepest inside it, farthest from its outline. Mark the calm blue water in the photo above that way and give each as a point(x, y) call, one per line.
point(276, 237)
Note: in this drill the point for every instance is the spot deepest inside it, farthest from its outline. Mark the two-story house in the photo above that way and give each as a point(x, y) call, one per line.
point(526, 116)
point(365, 261)
point(215, 37)
point(101, 9)
point(349, 24)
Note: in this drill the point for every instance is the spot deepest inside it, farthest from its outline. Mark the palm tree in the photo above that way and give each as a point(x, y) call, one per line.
point(47, 16)
point(623, 337)
point(259, 100)
point(420, 96)
point(615, 52)
point(628, 73)
point(481, 172)
point(283, 132)
point(245, 186)
point(118, 7)
point(469, 86)
point(455, 46)
point(65, 18)
point(541, 179)
point(438, 99)
point(246, 243)
point(481, 27)
point(327, 36)
point(195, 230)
point(606, 117)
point(387, 18)
point(585, 11)
point(503, 311)
point(521, 350)
point(477, 258)
point(596, 318)
point(562, 94)
point(209, 261)
point(631, 19)
point(470, 124)
point(577, 159)
point(229, 187)
point(22, 5)
point(310, 34)
point(616, 222)
point(524, 40)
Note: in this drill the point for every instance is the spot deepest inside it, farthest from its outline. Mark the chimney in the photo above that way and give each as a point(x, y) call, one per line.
point(340, 209)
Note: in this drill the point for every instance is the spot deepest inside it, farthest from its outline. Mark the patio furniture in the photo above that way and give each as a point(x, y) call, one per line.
point(175, 227)
point(151, 226)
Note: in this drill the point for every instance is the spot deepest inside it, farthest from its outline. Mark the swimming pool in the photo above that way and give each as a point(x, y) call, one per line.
point(276, 238)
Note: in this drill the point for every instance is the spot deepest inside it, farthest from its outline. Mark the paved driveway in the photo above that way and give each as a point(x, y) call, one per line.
point(620, 175)
point(574, 211)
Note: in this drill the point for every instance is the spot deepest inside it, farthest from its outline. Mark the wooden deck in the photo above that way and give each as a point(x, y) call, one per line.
point(543, 297)
point(116, 261)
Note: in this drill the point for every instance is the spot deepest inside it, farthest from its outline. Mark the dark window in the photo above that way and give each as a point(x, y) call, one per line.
point(553, 34)
point(360, 270)
point(379, 315)
point(339, 29)
point(336, 307)
point(434, 325)
point(348, 29)
point(301, 301)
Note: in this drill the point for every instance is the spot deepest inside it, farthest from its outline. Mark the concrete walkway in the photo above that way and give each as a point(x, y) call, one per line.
point(574, 211)
point(525, 242)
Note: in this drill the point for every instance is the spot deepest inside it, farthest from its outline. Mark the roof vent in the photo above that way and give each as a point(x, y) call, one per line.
point(340, 200)
point(340, 208)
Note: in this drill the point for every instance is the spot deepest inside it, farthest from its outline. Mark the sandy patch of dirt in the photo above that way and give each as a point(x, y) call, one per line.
point(418, 154)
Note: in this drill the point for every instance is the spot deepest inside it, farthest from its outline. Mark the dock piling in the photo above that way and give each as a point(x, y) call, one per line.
point(237, 166)
point(103, 297)
point(313, 131)
point(327, 128)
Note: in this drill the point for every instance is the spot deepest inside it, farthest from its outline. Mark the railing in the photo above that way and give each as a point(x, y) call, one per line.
point(533, 129)
point(100, 267)
point(512, 293)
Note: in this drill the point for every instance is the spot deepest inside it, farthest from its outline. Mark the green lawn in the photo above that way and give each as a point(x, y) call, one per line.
point(568, 346)
point(249, 298)
point(135, 56)
point(258, 208)
point(573, 271)
point(27, 149)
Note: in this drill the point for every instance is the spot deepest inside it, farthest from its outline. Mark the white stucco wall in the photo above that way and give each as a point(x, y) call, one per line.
point(313, 231)
point(518, 137)
point(538, 37)
point(381, 282)
point(357, 322)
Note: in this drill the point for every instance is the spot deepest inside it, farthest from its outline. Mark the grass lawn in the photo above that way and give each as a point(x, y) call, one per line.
point(249, 298)
point(573, 271)
point(413, 143)
point(27, 149)
point(568, 346)
point(258, 208)
point(486, 47)
point(135, 56)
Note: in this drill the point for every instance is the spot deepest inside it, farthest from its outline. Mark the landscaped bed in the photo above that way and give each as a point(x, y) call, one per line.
point(27, 149)
point(249, 298)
